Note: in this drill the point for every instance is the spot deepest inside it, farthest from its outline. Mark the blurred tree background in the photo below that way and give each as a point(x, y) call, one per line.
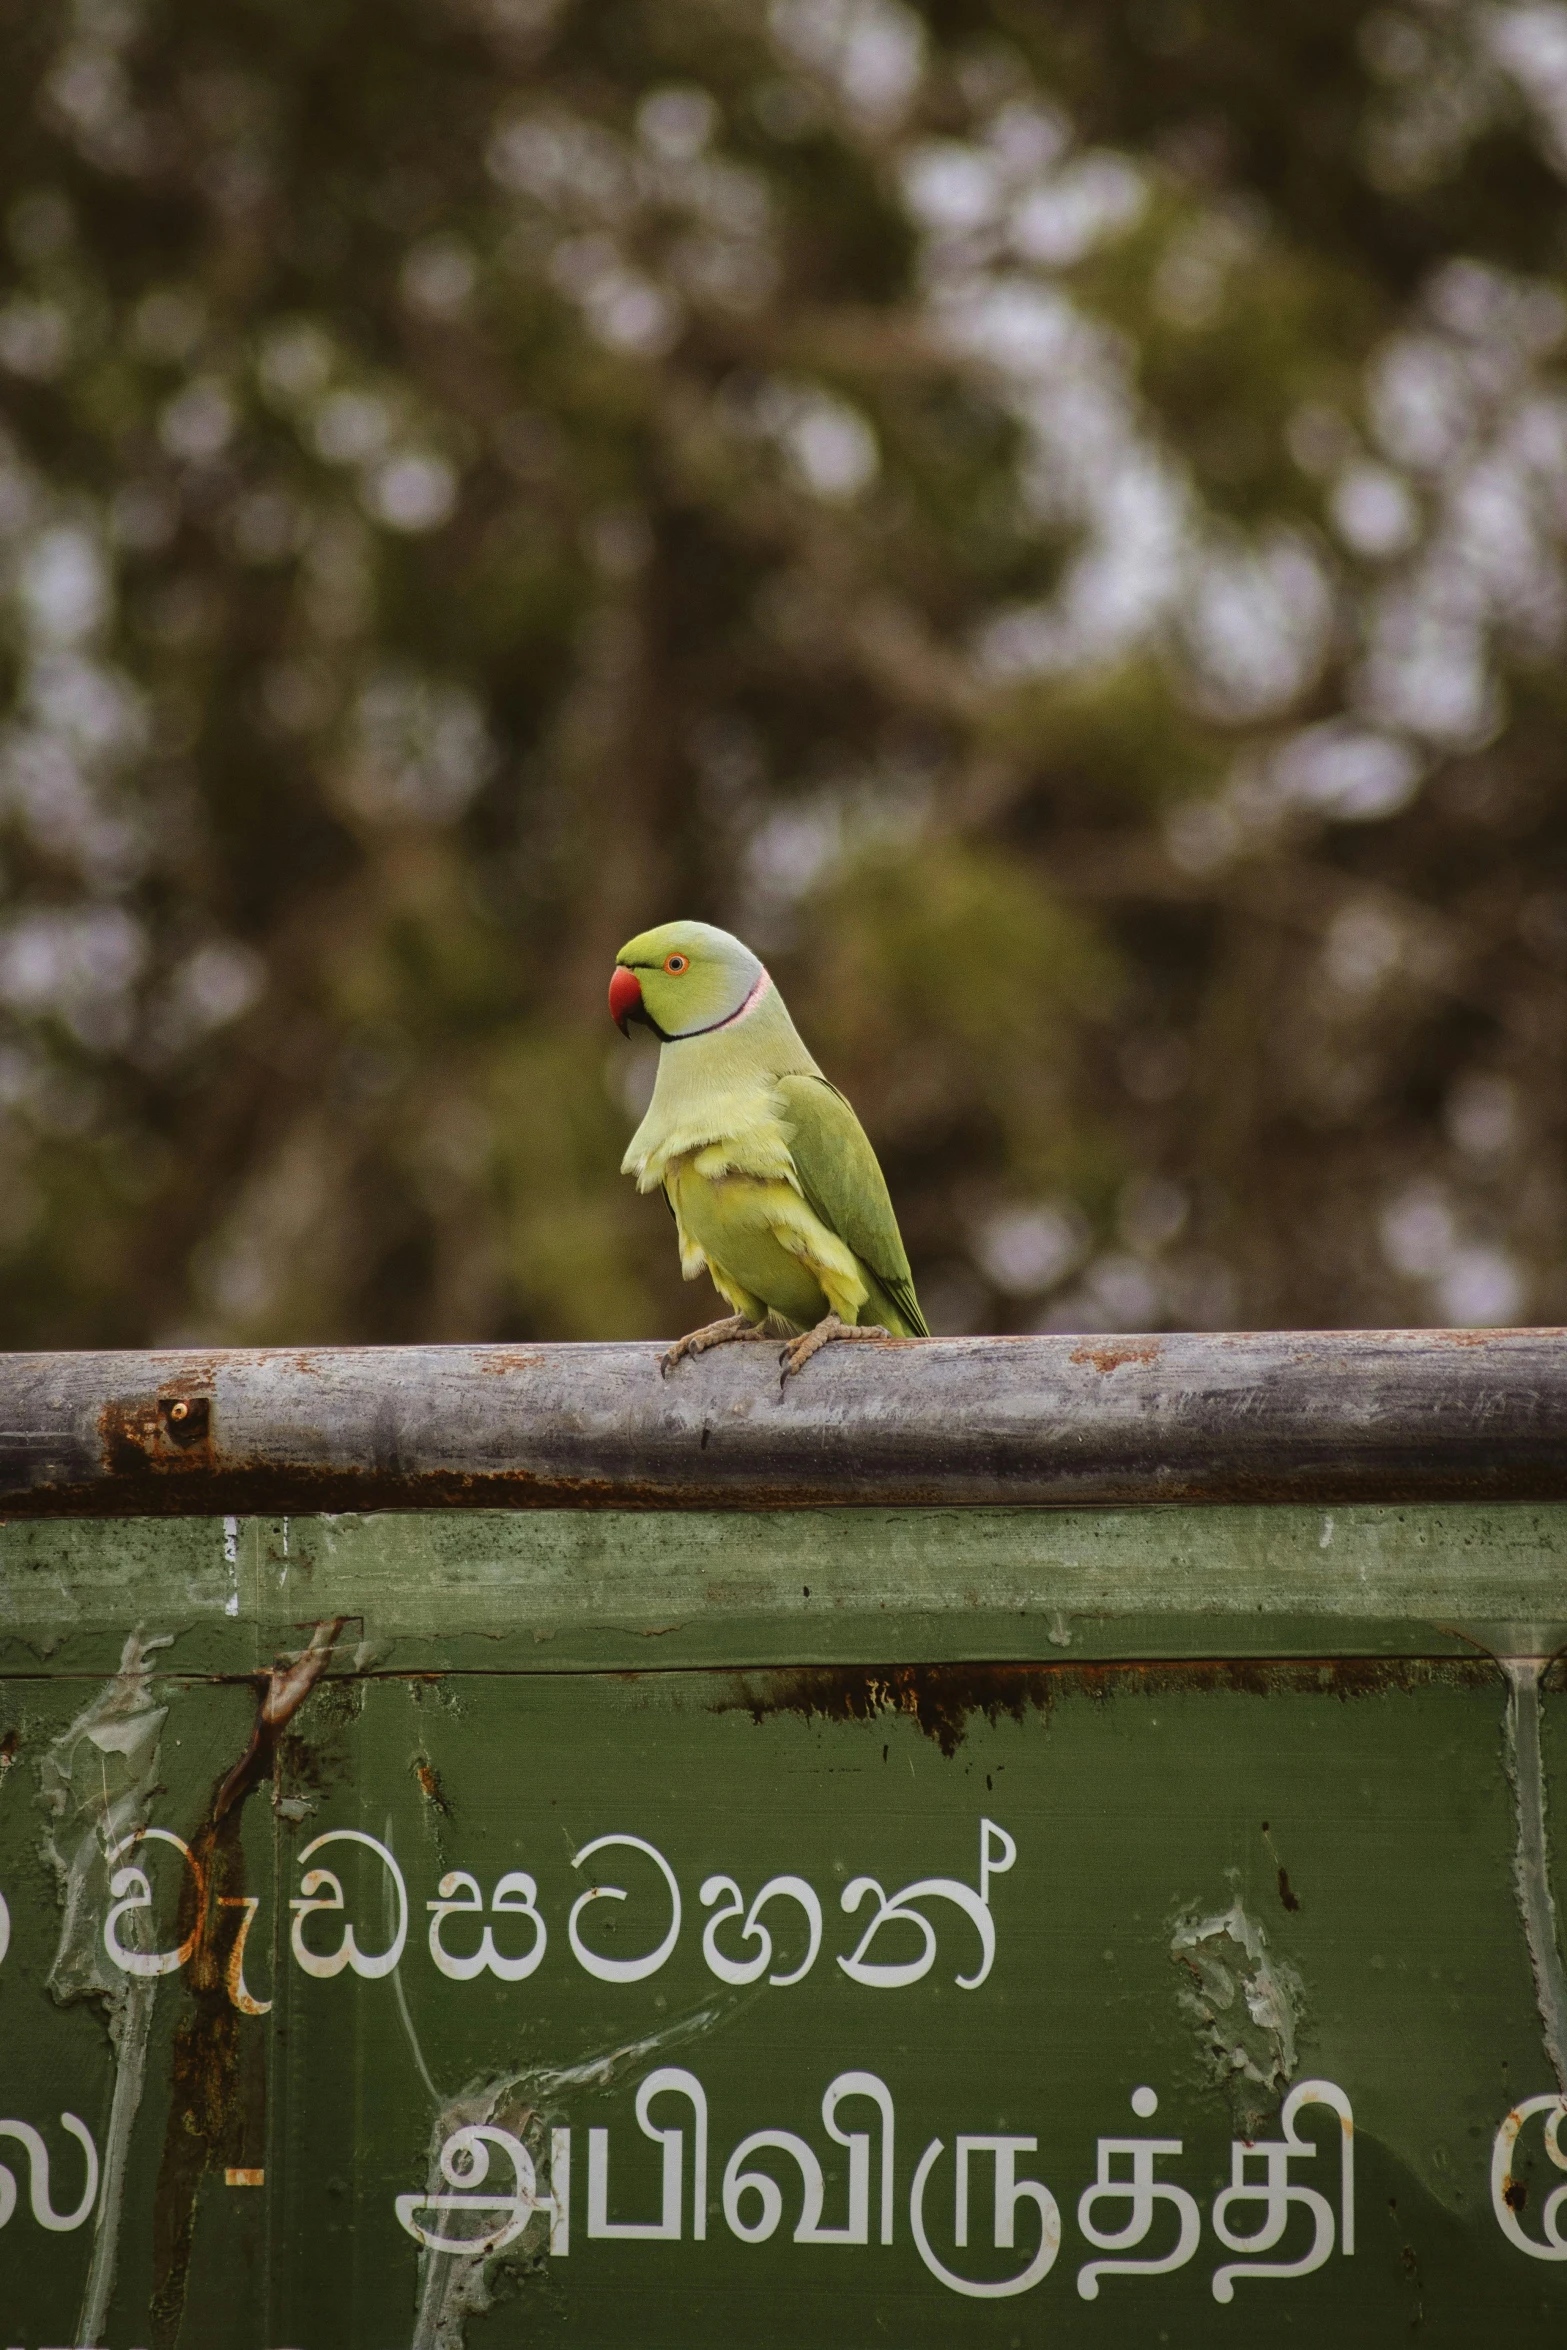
point(1047, 519)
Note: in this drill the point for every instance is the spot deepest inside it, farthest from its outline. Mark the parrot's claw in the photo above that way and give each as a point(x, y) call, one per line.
point(697, 1342)
point(799, 1351)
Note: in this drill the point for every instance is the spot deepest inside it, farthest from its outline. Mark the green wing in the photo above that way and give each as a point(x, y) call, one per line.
point(845, 1187)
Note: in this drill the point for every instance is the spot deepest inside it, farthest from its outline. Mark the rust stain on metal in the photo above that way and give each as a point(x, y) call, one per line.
point(142, 1481)
point(1111, 1358)
point(217, 2077)
point(170, 1431)
point(287, 1687)
point(429, 1779)
point(942, 1700)
point(1287, 1894)
point(216, 2082)
point(186, 1418)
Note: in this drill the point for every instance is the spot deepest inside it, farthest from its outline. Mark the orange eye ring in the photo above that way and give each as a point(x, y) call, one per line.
point(675, 964)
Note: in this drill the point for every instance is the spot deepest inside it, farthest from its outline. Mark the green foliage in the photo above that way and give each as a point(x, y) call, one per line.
point(1049, 522)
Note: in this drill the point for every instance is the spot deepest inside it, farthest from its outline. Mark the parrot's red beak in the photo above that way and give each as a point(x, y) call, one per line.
point(625, 998)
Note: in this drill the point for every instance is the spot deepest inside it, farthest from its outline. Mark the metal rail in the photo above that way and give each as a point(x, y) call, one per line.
point(1292, 1416)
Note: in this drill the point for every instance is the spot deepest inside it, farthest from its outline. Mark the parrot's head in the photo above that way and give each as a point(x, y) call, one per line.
point(683, 979)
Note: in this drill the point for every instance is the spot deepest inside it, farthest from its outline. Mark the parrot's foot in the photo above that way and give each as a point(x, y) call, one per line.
point(697, 1342)
point(799, 1351)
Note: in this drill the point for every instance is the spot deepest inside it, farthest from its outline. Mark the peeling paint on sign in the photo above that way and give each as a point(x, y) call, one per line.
point(1248, 2005)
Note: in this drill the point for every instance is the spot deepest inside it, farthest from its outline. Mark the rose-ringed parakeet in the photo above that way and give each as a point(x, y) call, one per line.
point(773, 1187)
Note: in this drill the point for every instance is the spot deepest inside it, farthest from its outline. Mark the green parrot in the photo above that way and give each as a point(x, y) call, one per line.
point(773, 1187)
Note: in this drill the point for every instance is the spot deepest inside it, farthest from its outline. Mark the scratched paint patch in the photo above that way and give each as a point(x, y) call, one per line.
point(94, 1982)
point(1246, 2002)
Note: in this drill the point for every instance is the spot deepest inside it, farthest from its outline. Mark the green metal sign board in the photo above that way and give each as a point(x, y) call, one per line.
point(992, 1845)
point(462, 1928)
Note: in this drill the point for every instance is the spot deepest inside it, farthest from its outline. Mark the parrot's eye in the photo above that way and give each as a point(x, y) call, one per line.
point(675, 964)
